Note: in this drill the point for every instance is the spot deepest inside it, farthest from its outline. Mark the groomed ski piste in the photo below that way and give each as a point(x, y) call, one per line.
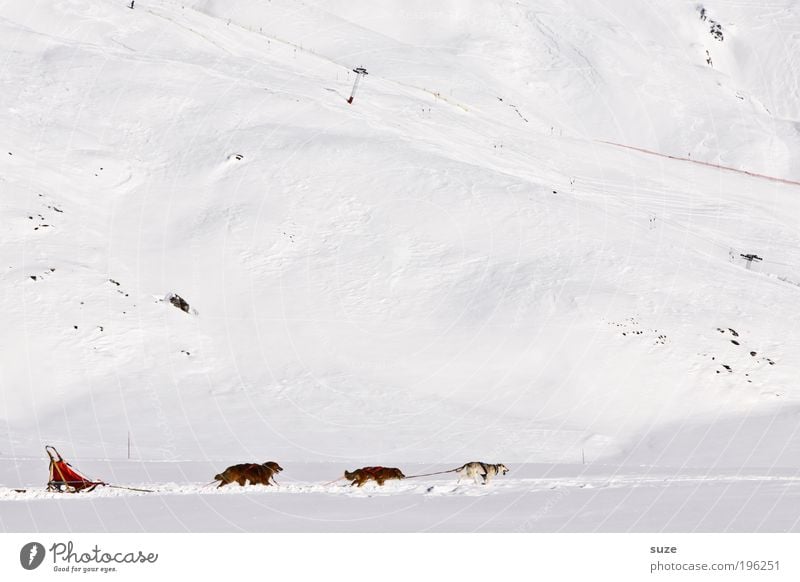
point(479, 259)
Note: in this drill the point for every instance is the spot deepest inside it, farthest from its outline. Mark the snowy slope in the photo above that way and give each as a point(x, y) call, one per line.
point(457, 266)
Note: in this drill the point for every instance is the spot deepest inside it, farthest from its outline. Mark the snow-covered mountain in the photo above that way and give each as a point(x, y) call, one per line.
point(470, 261)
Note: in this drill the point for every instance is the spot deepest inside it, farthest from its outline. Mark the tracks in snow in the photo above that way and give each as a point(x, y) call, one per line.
point(432, 487)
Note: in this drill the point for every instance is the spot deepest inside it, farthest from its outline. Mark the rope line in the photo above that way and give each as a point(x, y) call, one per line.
point(129, 488)
point(429, 474)
point(703, 163)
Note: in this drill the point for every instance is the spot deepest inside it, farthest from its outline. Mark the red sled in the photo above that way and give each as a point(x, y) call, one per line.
point(65, 479)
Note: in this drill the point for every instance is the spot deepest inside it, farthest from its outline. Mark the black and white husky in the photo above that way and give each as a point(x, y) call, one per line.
point(476, 469)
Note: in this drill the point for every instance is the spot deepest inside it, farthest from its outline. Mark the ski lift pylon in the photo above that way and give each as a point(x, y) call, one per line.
point(360, 72)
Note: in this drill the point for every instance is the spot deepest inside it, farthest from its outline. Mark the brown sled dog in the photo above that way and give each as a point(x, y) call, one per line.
point(254, 473)
point(377, 474)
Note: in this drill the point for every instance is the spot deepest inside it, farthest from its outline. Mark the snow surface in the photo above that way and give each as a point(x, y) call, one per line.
point(531, 498)
point(462, 265)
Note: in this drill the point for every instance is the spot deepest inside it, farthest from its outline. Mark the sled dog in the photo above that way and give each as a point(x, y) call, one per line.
point(477, 468)
point(253, 472)
point(378, 474)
